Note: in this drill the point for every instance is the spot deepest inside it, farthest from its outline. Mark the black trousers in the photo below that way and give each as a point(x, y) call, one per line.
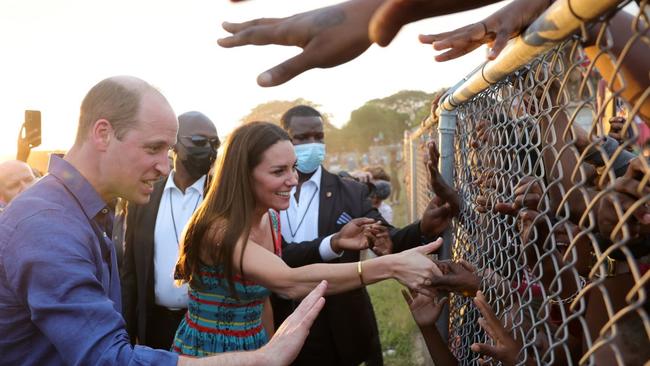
point(161, 327)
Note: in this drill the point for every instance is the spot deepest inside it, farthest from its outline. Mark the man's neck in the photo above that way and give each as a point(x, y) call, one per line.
point(183, 180)
point(83, 159)
point(302, 178)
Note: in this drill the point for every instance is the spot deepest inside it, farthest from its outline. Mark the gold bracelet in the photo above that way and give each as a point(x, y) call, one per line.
point(360, 272)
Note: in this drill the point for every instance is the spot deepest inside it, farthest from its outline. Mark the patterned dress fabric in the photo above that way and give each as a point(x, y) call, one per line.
point(217, 322)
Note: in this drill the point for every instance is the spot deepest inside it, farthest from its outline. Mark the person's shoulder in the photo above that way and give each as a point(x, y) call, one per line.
point(39, 217)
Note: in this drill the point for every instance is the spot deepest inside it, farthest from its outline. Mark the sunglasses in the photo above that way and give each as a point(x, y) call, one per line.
point(201, 141)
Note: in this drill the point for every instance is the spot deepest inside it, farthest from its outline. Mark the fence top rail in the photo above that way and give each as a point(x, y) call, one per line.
point(559, 21)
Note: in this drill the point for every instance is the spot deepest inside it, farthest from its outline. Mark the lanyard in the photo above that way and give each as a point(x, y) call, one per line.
point(293, 233)
point(171, 206)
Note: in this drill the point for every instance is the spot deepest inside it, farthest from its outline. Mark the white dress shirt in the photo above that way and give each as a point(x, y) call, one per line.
point(166, 245)
point(300, 220)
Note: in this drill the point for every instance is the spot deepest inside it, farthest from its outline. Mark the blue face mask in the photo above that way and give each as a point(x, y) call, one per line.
point(309, 156)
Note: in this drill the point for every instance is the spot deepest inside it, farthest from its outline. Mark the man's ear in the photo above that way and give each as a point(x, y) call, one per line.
point(101, 134)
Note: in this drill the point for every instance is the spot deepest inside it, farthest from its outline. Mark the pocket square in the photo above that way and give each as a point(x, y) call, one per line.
point(343, 219)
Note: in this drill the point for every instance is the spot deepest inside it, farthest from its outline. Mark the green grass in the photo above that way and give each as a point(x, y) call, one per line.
point(397, 330)
point(396, 326)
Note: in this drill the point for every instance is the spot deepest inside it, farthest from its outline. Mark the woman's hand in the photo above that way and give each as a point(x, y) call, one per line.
point(414, 269)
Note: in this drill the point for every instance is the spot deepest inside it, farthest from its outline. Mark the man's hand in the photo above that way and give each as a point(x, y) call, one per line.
point(379, 240)
point(353, 236)
point(444, 206)
point(329, 37)
point(425, 310)
point(459, 277)
point(287, 341)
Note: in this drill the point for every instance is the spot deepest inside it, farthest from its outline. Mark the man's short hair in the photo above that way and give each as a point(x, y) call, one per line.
point(298, 111)
point(113, 101)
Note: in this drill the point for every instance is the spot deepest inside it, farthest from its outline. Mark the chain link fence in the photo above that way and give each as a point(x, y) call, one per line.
point(551, 163)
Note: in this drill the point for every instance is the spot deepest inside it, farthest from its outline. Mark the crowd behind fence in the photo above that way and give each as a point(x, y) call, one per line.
point(551, 164)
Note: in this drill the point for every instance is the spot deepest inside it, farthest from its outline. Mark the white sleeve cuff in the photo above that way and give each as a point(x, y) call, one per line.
point(325, 250)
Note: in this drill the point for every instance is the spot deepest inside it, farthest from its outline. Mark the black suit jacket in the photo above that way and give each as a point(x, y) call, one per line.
point(348, 316)
point(137, 268)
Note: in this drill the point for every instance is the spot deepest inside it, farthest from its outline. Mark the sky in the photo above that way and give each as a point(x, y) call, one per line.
point(54, 51)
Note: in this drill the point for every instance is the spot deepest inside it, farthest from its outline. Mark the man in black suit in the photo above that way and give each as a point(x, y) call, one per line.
point(345, 332)
point(152, 304)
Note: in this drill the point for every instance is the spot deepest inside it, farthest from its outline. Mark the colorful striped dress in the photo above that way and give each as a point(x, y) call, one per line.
point(216, 322)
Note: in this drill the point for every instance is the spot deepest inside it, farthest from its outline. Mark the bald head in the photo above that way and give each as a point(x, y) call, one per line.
point(15, 177)
point(190, 122)
point(116, 99)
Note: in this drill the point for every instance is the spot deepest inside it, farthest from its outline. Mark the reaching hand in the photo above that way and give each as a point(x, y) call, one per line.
point(425, 310)
point(495, 31)
point(287, 341)
point(628, 190)
point(459, 277)
point(446, 203)
point(379, 239)
point(528, 194)
point(329, 37)
point(506, 348)
point(415, 270)
point(353, 236)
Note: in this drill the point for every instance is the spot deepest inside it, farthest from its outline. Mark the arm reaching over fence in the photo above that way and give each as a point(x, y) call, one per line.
point(495, 31)
point(444, 206)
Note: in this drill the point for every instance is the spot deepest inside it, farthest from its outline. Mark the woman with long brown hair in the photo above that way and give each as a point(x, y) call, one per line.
point(231, 247)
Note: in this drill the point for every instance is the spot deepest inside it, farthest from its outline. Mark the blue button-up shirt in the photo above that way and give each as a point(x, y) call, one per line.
point(60, 296)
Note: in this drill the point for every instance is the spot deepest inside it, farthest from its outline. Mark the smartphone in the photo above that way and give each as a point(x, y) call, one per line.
point(33, 127)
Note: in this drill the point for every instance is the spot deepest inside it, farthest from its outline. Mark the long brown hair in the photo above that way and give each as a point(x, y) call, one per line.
point(225, 215)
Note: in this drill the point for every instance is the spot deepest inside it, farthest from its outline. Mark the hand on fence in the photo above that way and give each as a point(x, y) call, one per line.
point(486, 183)
point(329, 36)
point(459, 277)
point(425, 310)
point(379, 240)
point(495, 31)
point(528, 193)
point(628, 190)
point(445, 205)
point(505, 348)
point(617, 132)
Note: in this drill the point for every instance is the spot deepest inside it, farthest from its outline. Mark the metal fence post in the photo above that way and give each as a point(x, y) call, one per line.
point(413, 212)
point(446, 132)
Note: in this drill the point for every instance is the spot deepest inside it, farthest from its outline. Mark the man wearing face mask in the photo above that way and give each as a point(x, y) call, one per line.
point(345, 332)
point(152, 304)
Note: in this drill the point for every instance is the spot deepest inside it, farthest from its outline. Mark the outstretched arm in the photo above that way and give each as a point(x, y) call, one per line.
point(412, 268)
point(329, 37)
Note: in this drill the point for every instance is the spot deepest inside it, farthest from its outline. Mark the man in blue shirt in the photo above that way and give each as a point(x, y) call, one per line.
point(59, 285)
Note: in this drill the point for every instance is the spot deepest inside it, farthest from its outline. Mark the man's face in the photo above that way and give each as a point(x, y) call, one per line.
point(16, 178)
point(141, 158)
point(306, 130)
point(199, 134)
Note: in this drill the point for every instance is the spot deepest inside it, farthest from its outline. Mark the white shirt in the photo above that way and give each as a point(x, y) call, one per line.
point(300, 220)
point(386, 212)
point(166, 246)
